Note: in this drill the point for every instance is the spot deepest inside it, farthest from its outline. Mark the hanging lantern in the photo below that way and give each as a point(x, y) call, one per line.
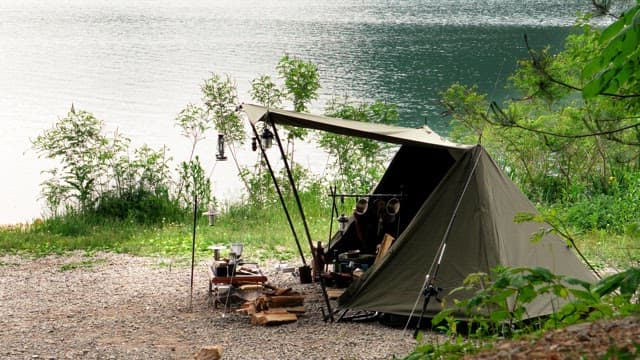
point(342, 222)
point(211, 215)
point(266, 138)
point(220, 155)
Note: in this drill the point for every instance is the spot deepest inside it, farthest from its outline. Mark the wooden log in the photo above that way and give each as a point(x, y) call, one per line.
point(273, 318)
point(285, 301)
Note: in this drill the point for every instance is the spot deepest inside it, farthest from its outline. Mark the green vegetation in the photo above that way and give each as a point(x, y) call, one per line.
point(498, 308)
point(572, 143)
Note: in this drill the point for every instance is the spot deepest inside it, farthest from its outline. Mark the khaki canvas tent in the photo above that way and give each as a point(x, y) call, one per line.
point(450, 194)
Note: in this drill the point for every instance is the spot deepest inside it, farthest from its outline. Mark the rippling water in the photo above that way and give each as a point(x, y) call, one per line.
point(135, 64)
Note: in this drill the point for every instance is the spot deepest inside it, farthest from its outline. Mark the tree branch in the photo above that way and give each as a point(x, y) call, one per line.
point(538, 65)
point(508, 122)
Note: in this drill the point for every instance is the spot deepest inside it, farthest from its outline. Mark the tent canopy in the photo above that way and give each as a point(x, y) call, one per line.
point(381, 132)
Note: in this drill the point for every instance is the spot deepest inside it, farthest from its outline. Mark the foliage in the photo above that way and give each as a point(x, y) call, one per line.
point(615, 70)
point(197, 185)
point(266, 92)
point(449, 349)
point(551, 140)
point(301, 81)
point(301, 84)
point(498, 302)
point(194, 122)
point(260, 227)
point(98, 177)
point(623, 353)
point(220, 97)
point(78, 143)
point(359, 162)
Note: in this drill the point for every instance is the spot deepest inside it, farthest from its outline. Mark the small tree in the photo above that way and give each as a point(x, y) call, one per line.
point(301, 84)
point(194, 122)
point(78, 144)
point(220, 97)
point(266, 92)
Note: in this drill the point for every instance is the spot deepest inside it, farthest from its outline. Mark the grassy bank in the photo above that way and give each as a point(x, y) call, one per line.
point(264, 231)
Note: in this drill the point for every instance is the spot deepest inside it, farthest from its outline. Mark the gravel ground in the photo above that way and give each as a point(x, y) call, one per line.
point(114, 306)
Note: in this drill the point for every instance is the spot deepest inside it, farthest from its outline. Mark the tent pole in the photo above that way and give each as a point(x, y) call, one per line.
point(302, 216)
point(293, 187)
point(193, 246)
point(284, 205)
point(334, 210)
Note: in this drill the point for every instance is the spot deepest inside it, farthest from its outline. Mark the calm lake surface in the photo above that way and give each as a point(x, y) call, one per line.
point(136, 64)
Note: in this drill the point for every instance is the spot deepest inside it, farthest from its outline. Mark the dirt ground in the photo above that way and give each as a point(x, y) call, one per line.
point(114, 306)
point(608, 339)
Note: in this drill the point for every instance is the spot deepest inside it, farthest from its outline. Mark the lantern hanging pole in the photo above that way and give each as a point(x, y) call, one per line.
point(284, 205)
point(193, 246)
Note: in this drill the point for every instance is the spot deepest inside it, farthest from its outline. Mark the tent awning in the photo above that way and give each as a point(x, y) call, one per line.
point(381, 132)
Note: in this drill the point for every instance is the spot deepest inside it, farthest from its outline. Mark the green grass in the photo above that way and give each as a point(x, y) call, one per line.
point(605, 249)
point(264, 231)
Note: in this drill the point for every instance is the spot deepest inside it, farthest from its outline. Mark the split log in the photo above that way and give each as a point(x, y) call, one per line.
point(273, 318)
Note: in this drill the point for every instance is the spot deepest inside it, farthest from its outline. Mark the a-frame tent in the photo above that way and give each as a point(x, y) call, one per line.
point(451, 194)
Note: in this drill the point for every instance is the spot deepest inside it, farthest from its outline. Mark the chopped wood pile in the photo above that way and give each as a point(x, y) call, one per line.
point(275, 306)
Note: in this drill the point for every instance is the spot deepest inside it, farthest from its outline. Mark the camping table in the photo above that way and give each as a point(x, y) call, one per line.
point(232, 281)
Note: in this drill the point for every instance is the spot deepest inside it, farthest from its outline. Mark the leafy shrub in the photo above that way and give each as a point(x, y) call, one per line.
point(499, 302)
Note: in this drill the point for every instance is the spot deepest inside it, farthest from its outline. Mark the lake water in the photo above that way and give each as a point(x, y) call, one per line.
point(136, 64)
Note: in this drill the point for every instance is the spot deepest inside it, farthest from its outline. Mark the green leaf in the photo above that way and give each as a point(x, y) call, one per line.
point(527, 294)
point(583, 295)
point(522, 217)
point(499, 315)
point(538, 235)
point(609, 284)
point(582, 283)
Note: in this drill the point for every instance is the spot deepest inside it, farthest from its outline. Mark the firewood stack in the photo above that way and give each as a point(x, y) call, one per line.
point(275, 306)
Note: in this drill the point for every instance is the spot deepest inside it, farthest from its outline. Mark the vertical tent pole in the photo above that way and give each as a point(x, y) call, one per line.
point(275, 182)
point(293, 185)
point(193, 246)
point(334, 210)
point(304, 219)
